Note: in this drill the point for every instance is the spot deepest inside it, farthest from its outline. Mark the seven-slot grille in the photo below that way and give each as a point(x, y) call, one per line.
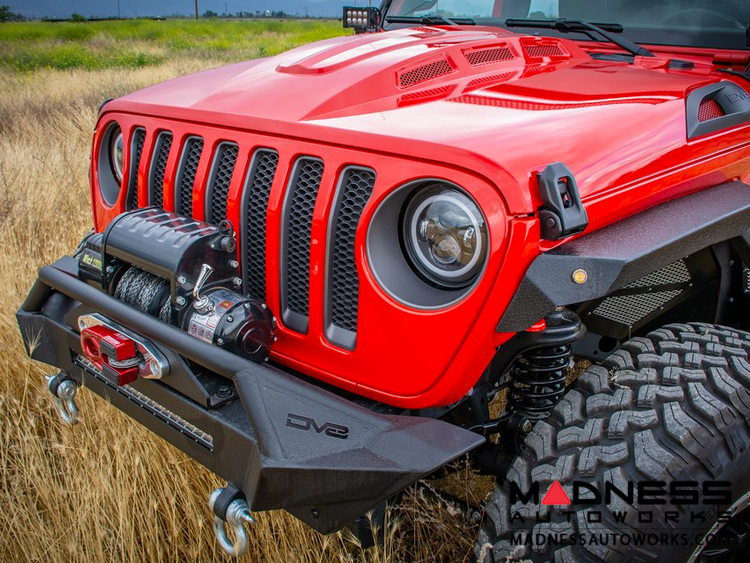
point(301, 190)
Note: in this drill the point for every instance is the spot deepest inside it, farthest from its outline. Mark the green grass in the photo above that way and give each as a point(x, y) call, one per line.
point(30, 46)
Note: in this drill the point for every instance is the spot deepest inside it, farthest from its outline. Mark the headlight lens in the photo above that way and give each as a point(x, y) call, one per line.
point(445, 236)
point(116, 154)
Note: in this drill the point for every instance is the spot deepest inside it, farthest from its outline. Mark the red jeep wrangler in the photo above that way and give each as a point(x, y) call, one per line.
point(321, 274)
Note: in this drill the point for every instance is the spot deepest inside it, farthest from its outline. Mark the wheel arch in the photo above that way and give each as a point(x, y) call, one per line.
point(625, 252)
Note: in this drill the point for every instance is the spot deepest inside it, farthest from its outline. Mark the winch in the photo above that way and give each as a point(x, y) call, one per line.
point(182, 271)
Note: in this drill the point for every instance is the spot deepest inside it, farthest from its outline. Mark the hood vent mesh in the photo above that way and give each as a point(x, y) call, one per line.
point(425, 95)
point(485, 80)
point(424, 73)
point(709, 109)
point(537, 51)
point(479, 57)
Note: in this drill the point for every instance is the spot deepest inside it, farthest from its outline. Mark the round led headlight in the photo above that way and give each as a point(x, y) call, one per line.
point(111, 163)
point(116, 152)
point(445, 236)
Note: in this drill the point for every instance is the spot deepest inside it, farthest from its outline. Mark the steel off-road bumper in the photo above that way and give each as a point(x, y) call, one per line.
point(284, 442)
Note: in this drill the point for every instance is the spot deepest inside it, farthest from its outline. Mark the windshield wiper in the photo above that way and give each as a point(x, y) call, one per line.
point(579, 26)
point(430, 20)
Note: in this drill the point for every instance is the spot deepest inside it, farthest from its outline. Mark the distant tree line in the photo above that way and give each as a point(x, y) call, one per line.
point(280, 14)
point(7, 16)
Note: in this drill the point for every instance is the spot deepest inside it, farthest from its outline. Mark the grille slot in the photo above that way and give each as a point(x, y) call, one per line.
point(295, 250)
point(158, 167)
point(424, 73)
point(220, 179)
point(255, 204)
point(185, 183)
point(136, 150)
point(353, 193)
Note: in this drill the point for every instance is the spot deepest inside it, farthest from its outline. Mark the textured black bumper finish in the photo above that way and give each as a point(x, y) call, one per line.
point(286, 443)
point(630, 249)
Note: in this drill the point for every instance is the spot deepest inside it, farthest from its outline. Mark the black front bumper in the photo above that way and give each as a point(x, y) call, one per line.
point(284, 442)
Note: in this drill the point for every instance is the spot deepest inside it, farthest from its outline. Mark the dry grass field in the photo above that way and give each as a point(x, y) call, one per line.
point(108, 490)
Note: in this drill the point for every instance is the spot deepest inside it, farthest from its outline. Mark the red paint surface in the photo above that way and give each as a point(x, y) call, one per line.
point(489, 128)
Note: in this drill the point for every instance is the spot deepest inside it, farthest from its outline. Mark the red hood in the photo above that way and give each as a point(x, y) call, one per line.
point(479, 98)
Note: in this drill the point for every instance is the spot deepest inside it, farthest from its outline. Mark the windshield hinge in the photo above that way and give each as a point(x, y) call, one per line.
point(731, 60)
point(737, 65)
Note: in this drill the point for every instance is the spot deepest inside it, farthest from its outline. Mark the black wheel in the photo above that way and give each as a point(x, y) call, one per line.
point(668, 413)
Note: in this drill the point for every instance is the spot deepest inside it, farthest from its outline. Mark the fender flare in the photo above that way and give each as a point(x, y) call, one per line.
point(626, 251)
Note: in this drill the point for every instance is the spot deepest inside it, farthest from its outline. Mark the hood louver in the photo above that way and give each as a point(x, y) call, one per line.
point(416, 75)
point(479, 57)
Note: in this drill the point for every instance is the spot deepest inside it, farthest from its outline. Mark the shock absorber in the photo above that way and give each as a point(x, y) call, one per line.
point(537, 377)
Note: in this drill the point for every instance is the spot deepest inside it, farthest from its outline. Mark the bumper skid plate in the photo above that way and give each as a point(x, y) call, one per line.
point(284, 442)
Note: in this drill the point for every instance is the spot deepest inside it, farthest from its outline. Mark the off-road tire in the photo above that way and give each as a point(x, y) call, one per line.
point(673, 405)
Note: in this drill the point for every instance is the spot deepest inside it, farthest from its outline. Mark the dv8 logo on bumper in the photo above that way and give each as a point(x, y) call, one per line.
point(328, 428)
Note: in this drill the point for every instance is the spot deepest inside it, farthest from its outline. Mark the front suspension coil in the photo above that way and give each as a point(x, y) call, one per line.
point(538, 376)
point(537, 381)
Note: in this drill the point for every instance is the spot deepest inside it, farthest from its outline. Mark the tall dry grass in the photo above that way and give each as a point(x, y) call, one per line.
point(108, 490)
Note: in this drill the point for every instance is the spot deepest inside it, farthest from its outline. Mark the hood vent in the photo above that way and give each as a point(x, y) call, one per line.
point(486, 80)
point(425, 95)
point(479, 57)
point(417, 75)
point(539, 51)
point(710, 109)
point(716, 107)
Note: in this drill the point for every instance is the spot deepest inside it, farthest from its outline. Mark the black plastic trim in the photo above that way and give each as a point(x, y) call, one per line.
point(563, 214)
point(735, 102)
point(628, 250)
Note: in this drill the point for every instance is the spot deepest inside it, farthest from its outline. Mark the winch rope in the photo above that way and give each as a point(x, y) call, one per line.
point(146, 292)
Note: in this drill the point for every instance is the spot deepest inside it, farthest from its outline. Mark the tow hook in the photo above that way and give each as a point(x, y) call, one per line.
point(230, 508)
point(63, 389)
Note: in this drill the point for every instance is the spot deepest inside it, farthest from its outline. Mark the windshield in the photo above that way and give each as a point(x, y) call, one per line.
point(720, 24)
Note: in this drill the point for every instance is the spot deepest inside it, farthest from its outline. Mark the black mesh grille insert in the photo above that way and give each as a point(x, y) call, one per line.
point(354, 193)
point(158, 166)
point(139, 137)
point(191, 156)
point(257, 190)
point(300, 203)
point(221, 178)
